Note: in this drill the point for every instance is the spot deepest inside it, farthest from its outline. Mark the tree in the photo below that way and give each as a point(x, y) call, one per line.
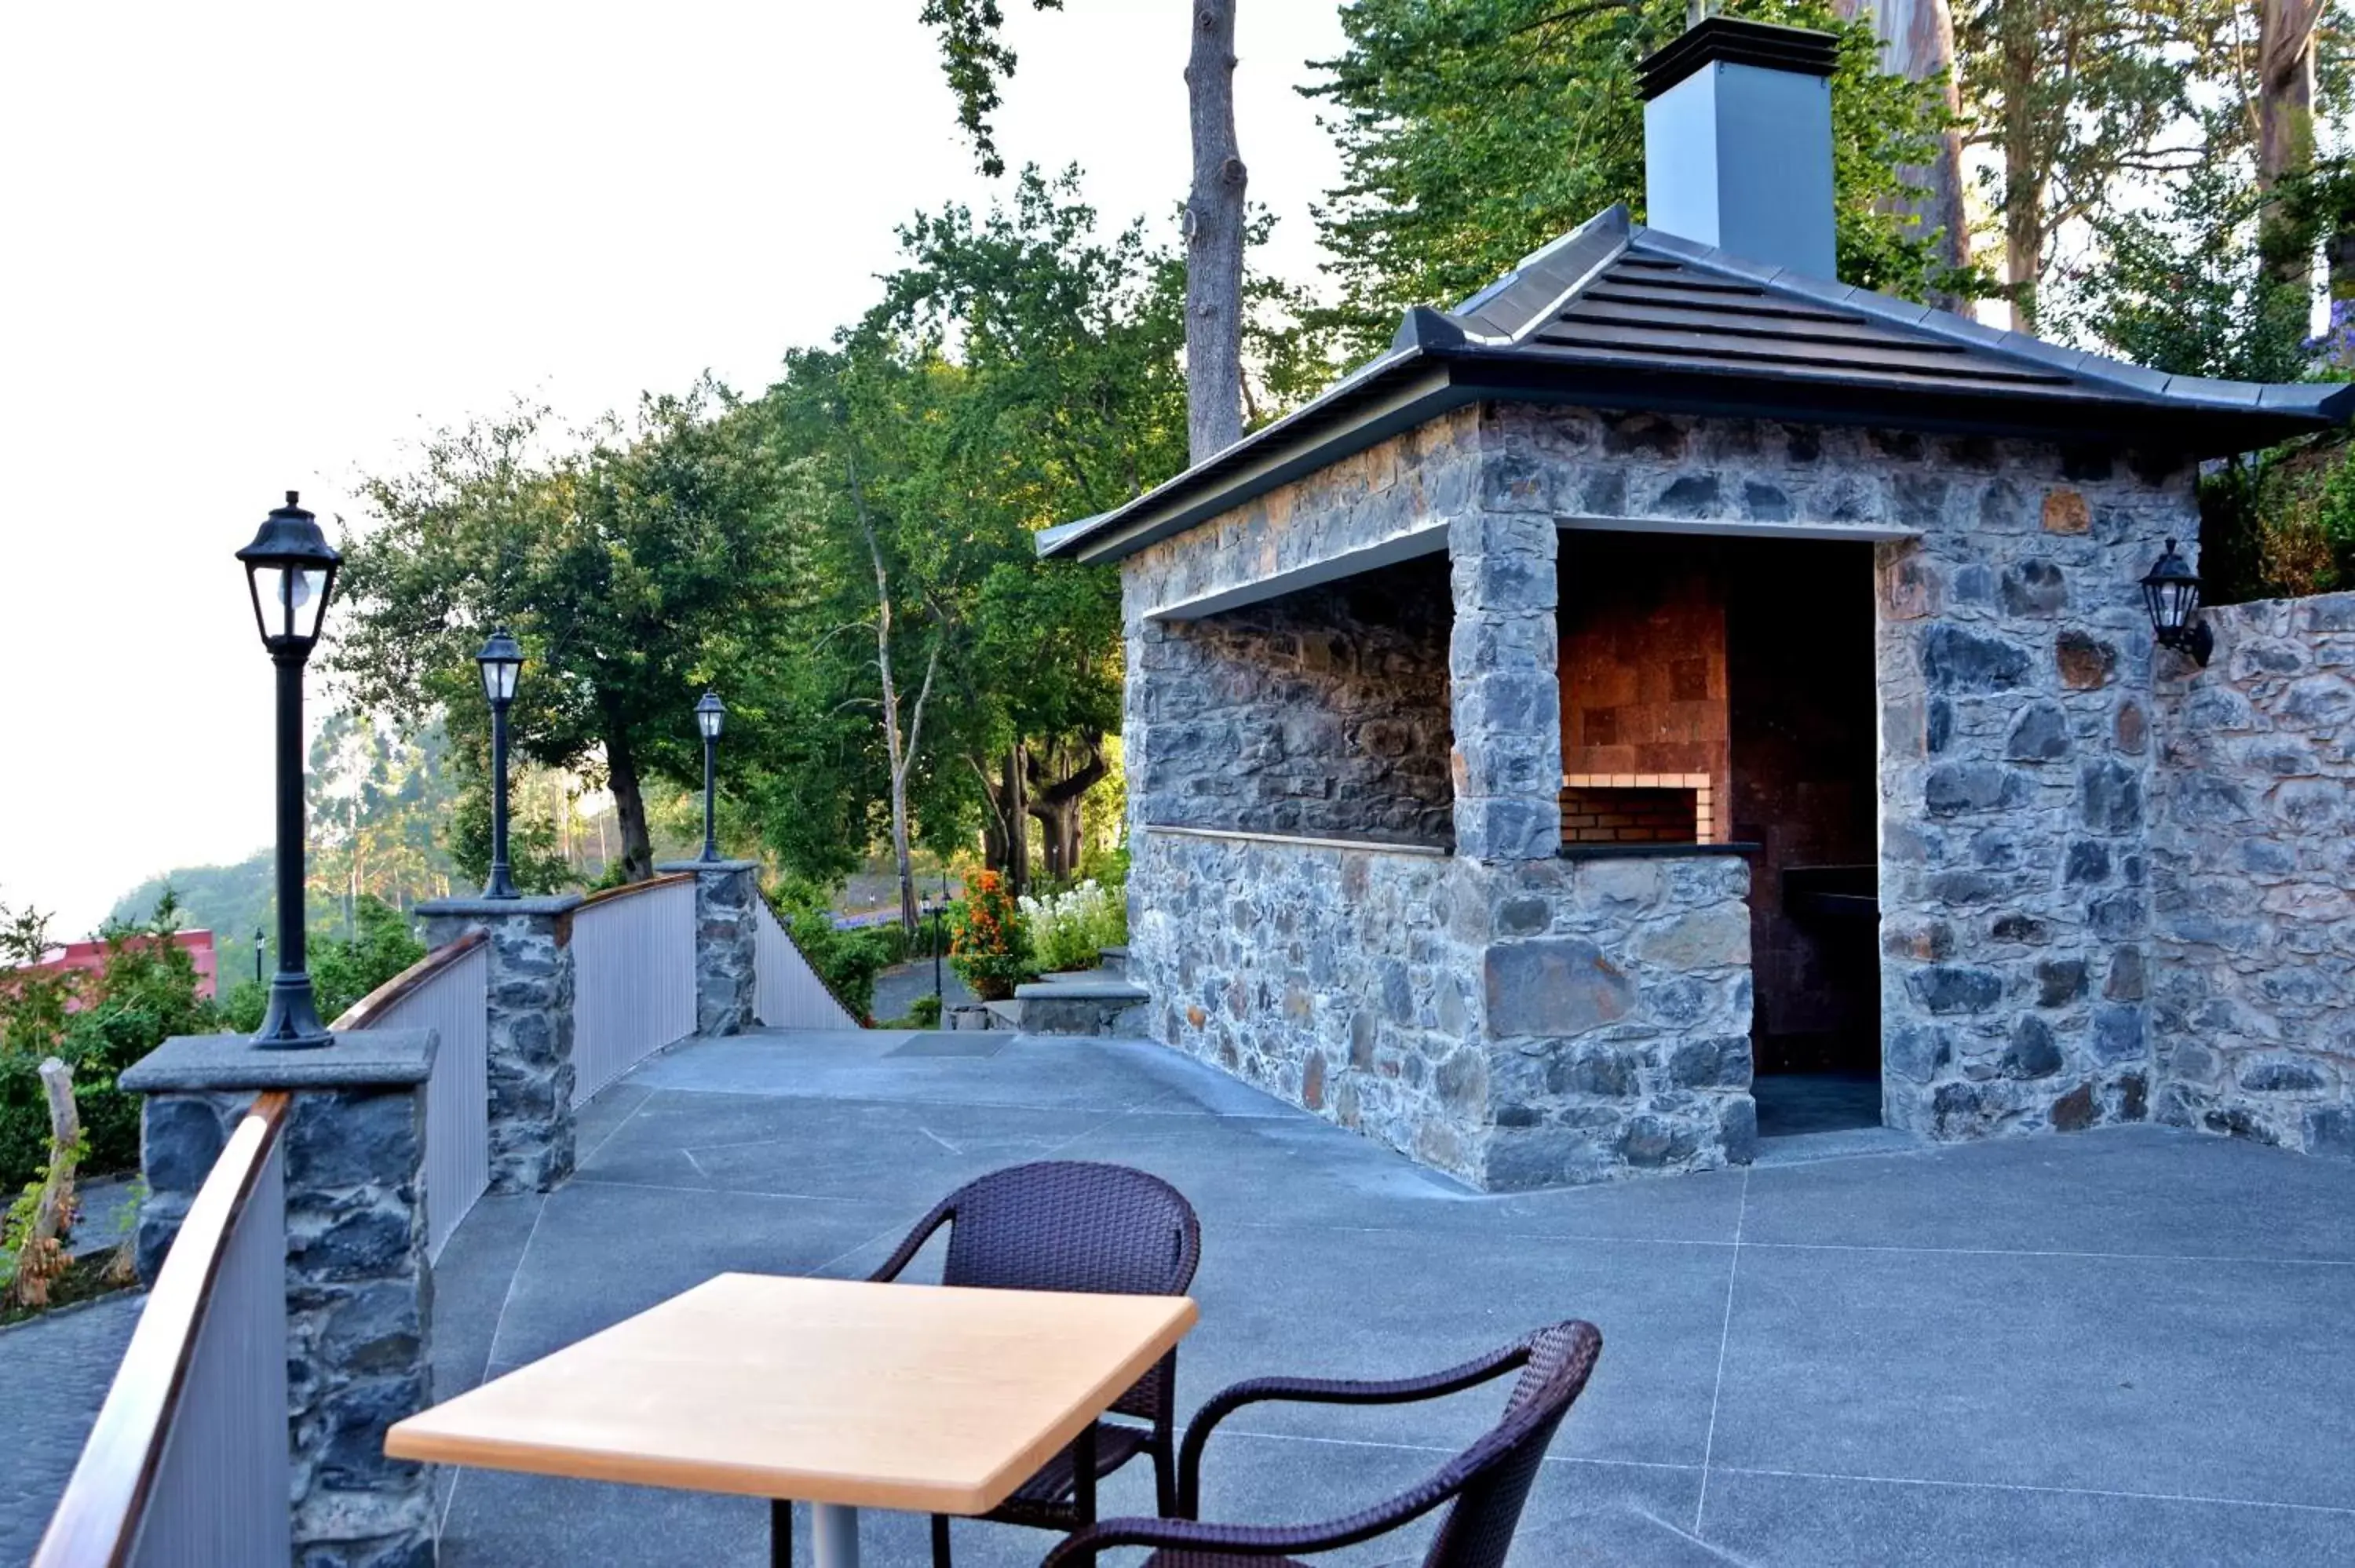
point(636, 565)
point(2078, 100)
point(1917, 43)
point(1214, 218)
point(1472, 131)
point(1217, 214)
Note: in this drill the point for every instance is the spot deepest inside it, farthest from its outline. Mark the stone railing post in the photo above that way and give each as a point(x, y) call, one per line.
point(725, 893)
point(359, 1289)
point(528, 1032)
point(1505, 693)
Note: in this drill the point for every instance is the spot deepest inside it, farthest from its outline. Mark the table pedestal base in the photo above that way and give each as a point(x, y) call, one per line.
point(834, 1535)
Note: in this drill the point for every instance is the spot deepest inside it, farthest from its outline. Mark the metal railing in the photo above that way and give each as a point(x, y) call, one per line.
point(446, 991)
point(186, 1466)
point(633, 977)
point(786, 992)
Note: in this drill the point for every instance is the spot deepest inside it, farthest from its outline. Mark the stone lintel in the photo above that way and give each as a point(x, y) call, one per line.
point(361, 1058)
point(493, 908)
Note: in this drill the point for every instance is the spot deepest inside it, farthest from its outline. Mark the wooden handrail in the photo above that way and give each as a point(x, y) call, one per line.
point(97, 1521)
point(363, 1014)
point(630, 889)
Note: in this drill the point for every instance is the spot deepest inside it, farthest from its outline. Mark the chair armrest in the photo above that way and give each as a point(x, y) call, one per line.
point(941, 1214)
point(1324, 1390)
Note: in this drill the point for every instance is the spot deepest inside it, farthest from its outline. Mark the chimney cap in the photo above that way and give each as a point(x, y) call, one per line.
point(1729, 39)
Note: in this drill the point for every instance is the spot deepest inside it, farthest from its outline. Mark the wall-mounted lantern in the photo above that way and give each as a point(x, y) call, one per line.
point(501, 660)
point(2171, 592)
point(710, 715)
point(290, 570)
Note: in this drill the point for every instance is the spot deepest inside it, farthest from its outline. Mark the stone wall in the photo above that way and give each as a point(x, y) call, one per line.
point(1616, 1007)
point(2253, 877)
point(1322, 711)
point(1337, 978)
point(1519, 1025)
point(2013, 671)
point(2013, 661)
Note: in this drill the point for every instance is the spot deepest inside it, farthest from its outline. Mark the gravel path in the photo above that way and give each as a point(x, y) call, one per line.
point(58, 1370)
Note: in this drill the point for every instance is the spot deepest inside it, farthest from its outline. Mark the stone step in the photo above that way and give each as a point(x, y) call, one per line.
point(1094, 1003)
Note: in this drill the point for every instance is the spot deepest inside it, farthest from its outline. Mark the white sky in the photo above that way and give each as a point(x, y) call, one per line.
point(246, 248)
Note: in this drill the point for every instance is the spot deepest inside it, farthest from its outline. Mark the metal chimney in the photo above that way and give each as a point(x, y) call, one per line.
point(1738, 142)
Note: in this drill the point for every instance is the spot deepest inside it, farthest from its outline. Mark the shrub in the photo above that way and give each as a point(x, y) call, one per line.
point(1070, 930)
point(988, 945)
point(341, 971)
point(847, 960)
point(145, 993)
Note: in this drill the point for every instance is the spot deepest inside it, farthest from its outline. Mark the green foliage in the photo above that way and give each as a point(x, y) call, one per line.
point(974, 60)
point(2190, 288)
point(924, 1012)
point(1020, 371)
point(342, 971)
point(97, 1024)
point(846, 959)
point(1474, 131)
point(633, 562)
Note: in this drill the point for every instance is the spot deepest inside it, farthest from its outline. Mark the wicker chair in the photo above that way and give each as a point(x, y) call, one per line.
point(1073, 1225)
point(1487, 1483)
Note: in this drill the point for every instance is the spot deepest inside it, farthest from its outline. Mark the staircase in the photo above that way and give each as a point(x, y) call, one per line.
point(1098, 1001)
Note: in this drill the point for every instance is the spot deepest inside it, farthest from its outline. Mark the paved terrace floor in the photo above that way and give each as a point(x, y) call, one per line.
point(2126, 1347)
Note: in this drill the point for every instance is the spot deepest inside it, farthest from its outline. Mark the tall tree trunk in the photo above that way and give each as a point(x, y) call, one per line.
point(1014, 810)
point(2024, 174)
point(1214, 239)
point(2285, 115)
point(1917, 42)
point(900, 747)
point(629, 806)
point(1055, 804)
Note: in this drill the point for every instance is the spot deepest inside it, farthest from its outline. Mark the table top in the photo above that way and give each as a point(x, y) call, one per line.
point(899, 1396)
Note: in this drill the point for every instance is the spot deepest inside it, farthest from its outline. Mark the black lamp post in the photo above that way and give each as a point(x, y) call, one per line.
point(934, 912)
point(2171, 592)
point(501, 660)
point(259, 937)
point(289, 570)
point(710, 716)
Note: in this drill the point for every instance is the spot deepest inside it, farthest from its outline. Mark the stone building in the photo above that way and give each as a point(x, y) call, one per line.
point(1669, 668)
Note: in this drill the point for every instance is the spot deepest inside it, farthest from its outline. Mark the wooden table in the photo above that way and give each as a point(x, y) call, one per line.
point(842, 1393)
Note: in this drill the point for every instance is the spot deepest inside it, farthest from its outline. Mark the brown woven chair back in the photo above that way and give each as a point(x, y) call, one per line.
point(1069, 1225)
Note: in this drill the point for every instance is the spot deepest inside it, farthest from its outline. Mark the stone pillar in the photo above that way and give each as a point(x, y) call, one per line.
point(530, 1030)
point(725, 893)
point(360, 1290)
point(1506, 695)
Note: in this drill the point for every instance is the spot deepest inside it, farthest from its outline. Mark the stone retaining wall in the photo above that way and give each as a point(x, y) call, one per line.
point(1517, 1025)
point(2253, 879)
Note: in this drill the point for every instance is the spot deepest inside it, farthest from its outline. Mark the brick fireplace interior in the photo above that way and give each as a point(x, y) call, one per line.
point(1721, 690)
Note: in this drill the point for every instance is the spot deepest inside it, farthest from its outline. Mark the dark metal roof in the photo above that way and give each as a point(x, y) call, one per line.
point(1614, 315)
